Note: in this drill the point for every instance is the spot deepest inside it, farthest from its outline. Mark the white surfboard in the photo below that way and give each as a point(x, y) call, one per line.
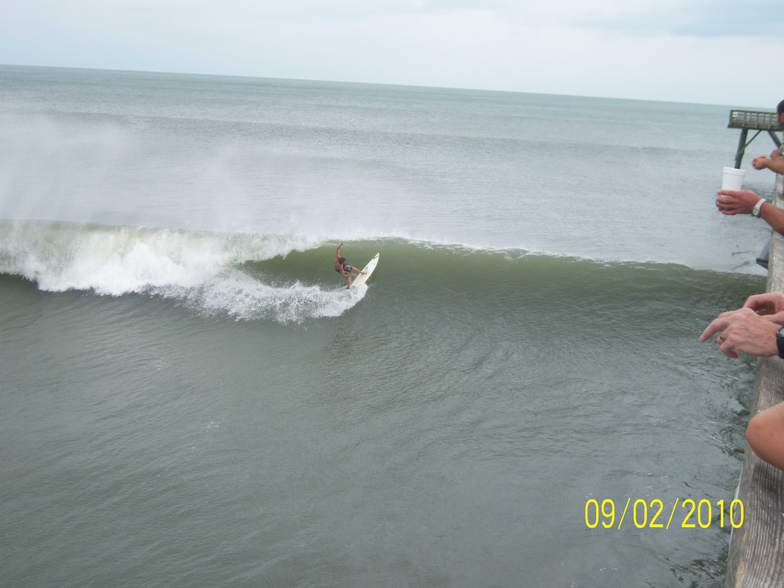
point(368, 269)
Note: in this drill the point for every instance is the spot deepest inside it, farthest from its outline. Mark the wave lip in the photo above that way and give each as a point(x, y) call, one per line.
point(201, 269)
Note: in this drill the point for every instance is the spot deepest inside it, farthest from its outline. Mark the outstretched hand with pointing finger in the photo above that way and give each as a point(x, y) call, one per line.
point(743, 330)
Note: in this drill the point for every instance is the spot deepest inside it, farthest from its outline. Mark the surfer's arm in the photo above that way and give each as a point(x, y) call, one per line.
point(337, 251)
point(356, 269)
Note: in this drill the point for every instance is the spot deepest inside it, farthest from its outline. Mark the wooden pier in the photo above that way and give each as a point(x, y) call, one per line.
point(756, 556)
point(752, 120)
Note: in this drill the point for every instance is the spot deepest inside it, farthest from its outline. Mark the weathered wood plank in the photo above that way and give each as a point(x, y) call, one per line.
point(756, 556)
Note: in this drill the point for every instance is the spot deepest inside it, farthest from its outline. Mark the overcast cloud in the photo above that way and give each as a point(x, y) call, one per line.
point(708, 51)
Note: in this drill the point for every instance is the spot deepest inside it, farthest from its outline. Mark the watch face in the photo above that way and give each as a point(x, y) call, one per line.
point(780, 341)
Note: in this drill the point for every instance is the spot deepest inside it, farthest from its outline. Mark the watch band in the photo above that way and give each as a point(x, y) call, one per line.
point(757, 210)
point(780, 341)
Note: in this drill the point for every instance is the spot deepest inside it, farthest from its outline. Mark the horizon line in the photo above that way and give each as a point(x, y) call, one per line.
point(364, 83)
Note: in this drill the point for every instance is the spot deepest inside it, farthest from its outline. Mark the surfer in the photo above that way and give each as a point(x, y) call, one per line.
point(346, 270)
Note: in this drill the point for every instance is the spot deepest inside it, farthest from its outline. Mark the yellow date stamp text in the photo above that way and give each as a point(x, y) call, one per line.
point(641, 513)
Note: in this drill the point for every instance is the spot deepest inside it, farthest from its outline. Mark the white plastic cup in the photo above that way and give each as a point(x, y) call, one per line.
point(732, 178)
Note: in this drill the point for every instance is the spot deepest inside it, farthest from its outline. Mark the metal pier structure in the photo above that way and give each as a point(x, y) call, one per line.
point(752, 120)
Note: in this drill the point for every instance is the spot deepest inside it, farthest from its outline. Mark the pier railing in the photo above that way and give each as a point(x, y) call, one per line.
point(756, 557)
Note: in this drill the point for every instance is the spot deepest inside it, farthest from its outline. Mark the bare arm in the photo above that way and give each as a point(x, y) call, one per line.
point(774, 163)
point(733, 202)
point(774, 216)
point(337, 251)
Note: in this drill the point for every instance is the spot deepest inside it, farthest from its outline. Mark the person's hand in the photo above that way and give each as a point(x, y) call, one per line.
point(743, 330)
point(777, 318)
point(775, 154)
point(736, 201)
point(768, 303)
point(760, 162)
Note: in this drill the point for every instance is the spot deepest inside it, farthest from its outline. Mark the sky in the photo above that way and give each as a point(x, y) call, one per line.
point(704, 51)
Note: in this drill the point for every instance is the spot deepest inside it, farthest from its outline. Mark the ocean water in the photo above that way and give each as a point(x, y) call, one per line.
point(189, 398)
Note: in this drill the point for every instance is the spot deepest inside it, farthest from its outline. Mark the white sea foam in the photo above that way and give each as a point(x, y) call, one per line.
point(245, 298)
point(198, 268)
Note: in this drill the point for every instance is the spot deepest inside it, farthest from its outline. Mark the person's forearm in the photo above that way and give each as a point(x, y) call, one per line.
point(776, 165)
point(774, 216)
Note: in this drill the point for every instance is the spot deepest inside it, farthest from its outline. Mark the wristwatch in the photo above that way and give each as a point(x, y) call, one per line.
point(780, 341)
point(758, 207)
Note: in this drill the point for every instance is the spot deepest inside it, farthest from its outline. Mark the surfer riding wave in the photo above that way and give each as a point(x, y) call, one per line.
point(345, 269)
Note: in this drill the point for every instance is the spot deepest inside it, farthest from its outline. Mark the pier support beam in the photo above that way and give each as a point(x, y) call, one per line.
point(741, 148)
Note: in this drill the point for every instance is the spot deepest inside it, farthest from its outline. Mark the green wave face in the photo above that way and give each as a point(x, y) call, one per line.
point(249, 276)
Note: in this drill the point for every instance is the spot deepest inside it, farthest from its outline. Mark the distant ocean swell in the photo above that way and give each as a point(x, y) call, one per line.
point(289, 279)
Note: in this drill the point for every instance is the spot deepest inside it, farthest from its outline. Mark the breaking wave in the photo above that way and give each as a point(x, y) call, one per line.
point(204, 270)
